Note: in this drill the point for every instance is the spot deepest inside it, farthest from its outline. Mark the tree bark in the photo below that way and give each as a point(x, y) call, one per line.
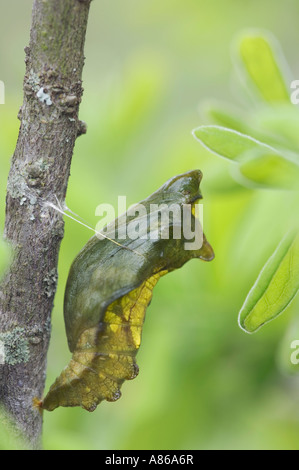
point(39, 174)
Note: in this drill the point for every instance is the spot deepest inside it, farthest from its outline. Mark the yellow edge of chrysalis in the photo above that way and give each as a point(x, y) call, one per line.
point(105, 355)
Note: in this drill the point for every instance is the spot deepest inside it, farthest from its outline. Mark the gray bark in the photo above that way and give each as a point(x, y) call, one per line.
point(39, 173)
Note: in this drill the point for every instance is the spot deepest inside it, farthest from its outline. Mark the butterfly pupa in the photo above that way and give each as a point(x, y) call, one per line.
point(108, 291)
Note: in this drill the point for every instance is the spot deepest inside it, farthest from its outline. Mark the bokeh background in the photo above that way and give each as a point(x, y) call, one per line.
point(150, 67)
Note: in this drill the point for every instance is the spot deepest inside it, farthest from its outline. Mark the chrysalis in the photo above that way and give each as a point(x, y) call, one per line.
point(109, 288)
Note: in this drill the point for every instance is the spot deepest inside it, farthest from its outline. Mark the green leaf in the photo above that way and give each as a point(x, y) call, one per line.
point(228, 143)
point(265, 169)
point(263, 64)
point(223, 115)
point(276, 125)
point(275, 288)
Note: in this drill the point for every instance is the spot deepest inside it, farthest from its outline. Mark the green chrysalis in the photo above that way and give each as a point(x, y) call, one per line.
point(108, 291)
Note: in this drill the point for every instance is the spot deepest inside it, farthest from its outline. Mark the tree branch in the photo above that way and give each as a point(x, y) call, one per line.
point(39, 173)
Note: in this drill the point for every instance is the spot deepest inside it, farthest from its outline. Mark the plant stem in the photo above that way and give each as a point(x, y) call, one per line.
point(39, 173)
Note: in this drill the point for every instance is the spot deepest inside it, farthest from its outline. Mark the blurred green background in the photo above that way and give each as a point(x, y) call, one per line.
point(203, 383)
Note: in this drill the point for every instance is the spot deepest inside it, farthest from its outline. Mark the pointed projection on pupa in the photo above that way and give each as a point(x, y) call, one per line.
point(109, 288)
